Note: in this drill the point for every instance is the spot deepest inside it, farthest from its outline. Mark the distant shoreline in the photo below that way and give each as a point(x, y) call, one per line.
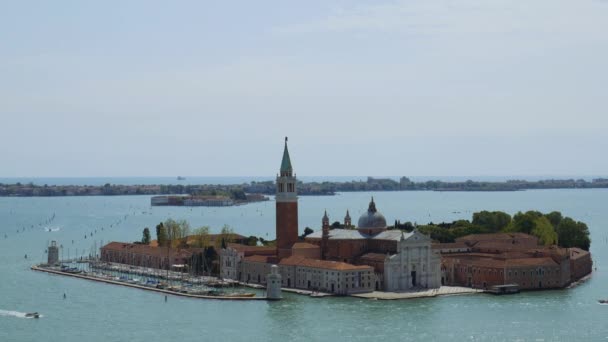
point(325, 188)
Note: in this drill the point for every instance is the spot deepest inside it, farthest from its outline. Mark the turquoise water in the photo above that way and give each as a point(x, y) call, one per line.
point(100, 312)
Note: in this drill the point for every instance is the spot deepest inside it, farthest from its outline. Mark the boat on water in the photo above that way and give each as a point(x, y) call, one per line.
point(603, 301)
point(32, 315)
point(71, 270)
point(180, 178)
point(218, 284)
point(238, 295)
point(317, 295)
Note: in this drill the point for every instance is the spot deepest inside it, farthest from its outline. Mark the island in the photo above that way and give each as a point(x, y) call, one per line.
point(239, 192)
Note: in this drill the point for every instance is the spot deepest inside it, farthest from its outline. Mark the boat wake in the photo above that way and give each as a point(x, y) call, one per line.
point(18, 314)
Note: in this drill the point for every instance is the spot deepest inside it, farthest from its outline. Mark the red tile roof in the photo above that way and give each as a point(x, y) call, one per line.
point(495, 236)
point(148, 250)
point(213, 238)
point(302, 245)
point(258, 258)
point(576, 253)
point(322, 264)
point(253, 250)
point(449, 245)
point(530, 262)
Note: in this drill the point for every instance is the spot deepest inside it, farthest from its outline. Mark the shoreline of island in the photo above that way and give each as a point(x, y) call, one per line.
point(256, 191)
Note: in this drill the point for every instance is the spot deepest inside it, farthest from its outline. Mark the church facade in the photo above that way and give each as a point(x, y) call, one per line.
point(341, 261)
point(402, 261)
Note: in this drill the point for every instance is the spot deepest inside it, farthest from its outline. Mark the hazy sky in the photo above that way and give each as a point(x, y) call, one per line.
point(417, 87)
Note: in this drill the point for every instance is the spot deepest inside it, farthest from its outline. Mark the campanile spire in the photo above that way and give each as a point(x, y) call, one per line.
point(286, 207)
point(286, 168)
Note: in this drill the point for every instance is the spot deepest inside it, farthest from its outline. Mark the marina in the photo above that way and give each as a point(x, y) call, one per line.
point(171, 290)
point(167, 282)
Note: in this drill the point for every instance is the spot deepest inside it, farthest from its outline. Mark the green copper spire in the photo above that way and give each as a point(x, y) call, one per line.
point(286, 163)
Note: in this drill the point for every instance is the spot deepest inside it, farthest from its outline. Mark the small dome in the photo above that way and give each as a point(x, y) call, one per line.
point(372, 218)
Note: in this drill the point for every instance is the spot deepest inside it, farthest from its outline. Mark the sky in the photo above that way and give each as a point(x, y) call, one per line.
point(362, 88)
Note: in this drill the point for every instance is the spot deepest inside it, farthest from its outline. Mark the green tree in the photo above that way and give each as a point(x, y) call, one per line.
point(161, 235)
point(226, 236)
point(252, 241)
point(238, 194)
point(442, 235)
point(461, 231)
point(523, 222)
point(555, 217)
point(544, 231)
point(308, 231)
point(177, 231)
point(145, 239)
point(573, 234)
point(494, 221)
point(201, 237)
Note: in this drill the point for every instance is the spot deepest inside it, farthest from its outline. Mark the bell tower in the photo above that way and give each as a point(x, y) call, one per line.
point(325, 235)
point(347, 220)
point(286, 207)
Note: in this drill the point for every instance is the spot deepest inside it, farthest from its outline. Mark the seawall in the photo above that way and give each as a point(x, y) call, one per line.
point(173, 293)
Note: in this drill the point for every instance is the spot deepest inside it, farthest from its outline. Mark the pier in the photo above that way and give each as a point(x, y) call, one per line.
point(42, 268)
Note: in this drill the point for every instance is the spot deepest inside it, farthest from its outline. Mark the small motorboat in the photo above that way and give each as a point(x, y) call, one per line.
point(238, 295)
point(603, 301)
point(32, 315)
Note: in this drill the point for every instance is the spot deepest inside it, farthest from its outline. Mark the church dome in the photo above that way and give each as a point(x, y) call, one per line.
point(372, 218)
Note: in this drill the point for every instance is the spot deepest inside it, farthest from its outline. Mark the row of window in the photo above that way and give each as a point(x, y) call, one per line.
point(538, 272)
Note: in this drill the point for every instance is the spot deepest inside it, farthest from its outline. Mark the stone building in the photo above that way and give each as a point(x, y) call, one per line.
point(414, 265)
point(401, 261)
point(580, 263)
point(312, 274)
point(146, 256)
point(232, 256)
point(485, 260)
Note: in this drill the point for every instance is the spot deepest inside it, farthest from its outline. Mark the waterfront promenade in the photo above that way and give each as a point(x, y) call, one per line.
point(425, 293)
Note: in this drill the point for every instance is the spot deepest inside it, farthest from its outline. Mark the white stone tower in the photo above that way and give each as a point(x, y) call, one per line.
point(273, 283)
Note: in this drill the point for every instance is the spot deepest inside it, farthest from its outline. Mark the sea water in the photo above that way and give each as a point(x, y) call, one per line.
point(100, 312)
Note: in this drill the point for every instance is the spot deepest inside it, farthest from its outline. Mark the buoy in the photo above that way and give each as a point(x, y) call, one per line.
point(64, 296)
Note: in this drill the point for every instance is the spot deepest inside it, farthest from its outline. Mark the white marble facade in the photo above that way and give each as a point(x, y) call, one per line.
point(415, 265)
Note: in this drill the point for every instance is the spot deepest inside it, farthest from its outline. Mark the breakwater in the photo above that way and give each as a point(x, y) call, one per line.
point(141, 287)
